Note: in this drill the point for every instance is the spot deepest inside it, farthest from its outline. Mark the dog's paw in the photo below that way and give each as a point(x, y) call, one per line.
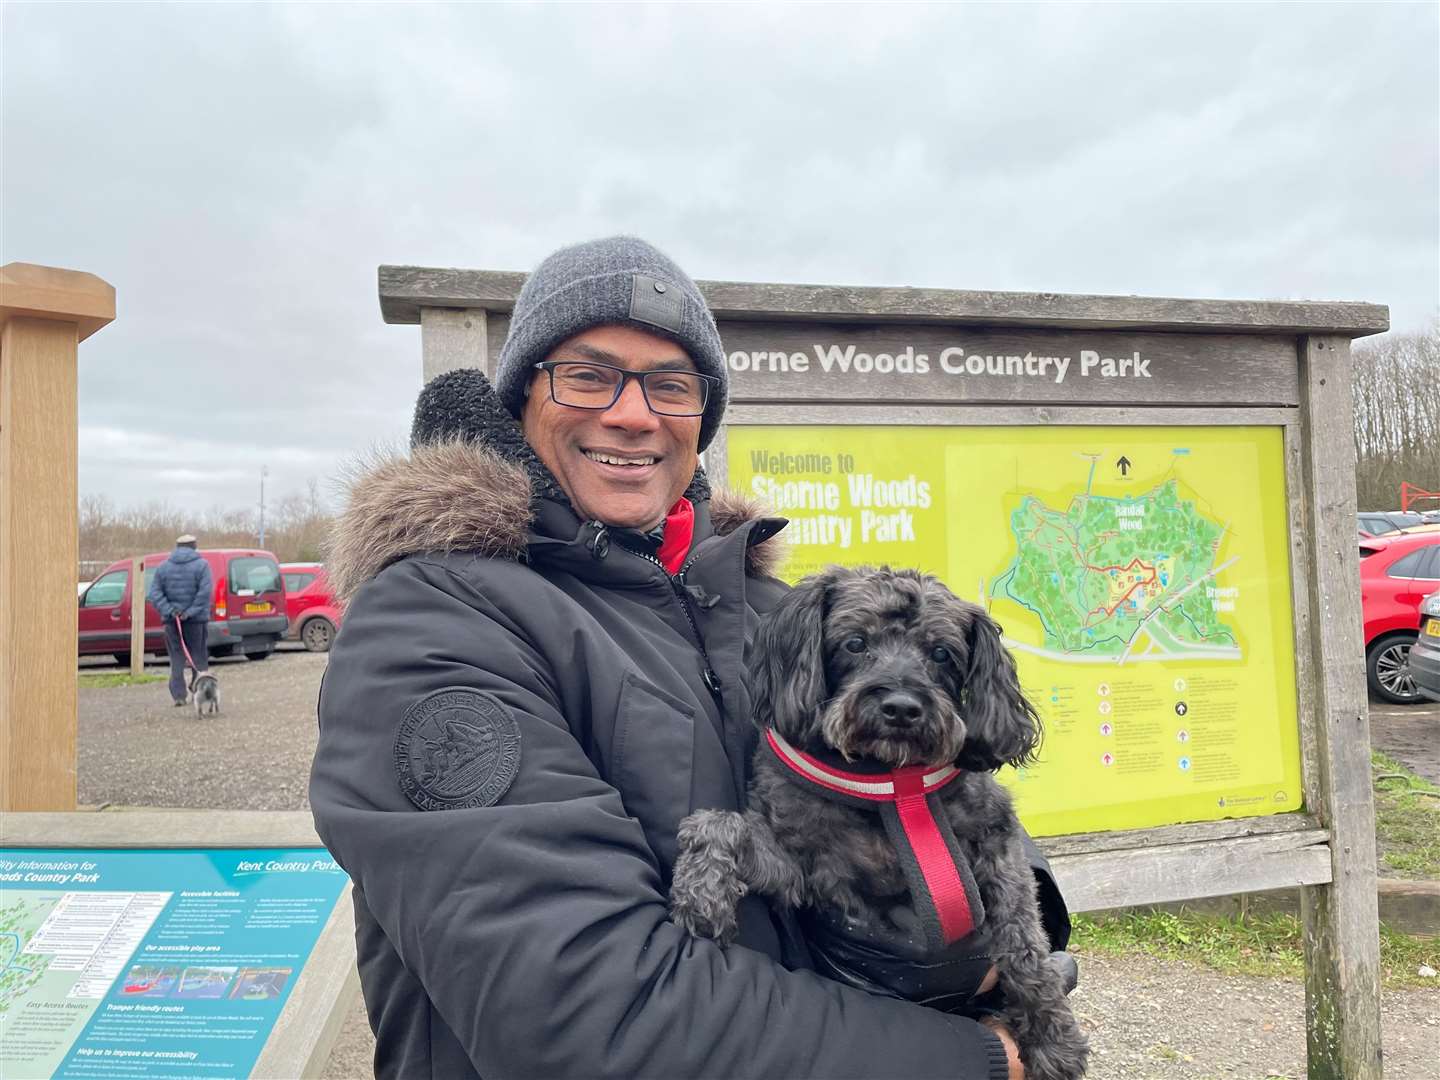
point(1052, 1045)
point(706, 917)
point(707, 886)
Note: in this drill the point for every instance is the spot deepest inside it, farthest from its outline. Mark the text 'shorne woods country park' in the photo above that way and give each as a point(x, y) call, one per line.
point(708, 541)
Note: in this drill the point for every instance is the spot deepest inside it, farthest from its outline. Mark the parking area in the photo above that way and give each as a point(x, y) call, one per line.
point(136, 749)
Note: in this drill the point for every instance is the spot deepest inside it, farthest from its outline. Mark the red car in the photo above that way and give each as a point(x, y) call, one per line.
point(247, 612)
point(1396, 573)
point(314, 615)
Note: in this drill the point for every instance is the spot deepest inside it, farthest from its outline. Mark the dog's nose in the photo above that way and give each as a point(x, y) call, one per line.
point(901, 708)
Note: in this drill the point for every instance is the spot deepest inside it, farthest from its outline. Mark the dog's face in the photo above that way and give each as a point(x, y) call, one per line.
point(889, 665)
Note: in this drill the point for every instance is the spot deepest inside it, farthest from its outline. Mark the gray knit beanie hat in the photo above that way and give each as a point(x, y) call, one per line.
point(619, 281)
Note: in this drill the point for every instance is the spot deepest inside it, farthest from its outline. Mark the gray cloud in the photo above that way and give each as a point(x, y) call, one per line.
point(238, 172)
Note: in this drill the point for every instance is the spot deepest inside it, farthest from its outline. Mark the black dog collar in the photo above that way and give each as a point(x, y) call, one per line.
point(940, 879)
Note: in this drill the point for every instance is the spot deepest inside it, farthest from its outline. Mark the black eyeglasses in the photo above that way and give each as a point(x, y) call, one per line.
point(584, 384)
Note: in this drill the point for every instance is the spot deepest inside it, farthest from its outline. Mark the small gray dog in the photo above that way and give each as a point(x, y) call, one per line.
point(881, 690)
point(205, 693)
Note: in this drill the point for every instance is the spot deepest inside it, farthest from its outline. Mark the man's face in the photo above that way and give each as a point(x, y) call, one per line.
point(660, 452)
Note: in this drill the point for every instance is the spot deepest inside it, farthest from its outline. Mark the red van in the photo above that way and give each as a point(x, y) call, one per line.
point(314, 615)
point(247, 612)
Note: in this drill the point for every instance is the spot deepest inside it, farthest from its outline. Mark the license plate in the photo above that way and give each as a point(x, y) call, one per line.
point(256, 609)
point(1432, 627)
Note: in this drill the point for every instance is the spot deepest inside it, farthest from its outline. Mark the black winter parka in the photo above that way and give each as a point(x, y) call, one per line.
point(518, 926)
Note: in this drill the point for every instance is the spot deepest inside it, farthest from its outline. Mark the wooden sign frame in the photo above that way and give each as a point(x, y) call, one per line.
point(300, 1042)
point(1276, 363)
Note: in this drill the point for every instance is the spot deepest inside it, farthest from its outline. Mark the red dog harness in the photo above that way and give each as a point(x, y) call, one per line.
point(939, 876)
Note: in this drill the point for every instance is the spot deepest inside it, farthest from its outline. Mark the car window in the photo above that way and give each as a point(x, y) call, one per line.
point(294, 582)
point(1378, 526)
point(254, 573)
point(107, 590)
point(1407, 566)
point(1430, 565)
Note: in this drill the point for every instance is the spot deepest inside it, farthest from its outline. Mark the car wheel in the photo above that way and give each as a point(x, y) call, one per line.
point(222, 651)
point(1387, 670)
point(122, 658)
point(317, 633)
point(261, 654)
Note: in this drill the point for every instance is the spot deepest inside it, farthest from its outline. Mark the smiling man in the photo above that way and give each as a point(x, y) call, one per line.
point(541, 672)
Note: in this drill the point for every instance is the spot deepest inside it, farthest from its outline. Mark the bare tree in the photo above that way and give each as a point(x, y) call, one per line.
point(300, 524)
point(1397, 417)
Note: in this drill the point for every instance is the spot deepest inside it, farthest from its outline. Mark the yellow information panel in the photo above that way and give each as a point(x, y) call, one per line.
point(1141, 575)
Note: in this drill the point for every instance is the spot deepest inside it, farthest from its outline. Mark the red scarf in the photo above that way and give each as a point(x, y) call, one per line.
point(679, 531)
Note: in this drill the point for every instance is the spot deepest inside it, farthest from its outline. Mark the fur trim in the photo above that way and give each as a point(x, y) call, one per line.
point(729, 509)
point(446, 496)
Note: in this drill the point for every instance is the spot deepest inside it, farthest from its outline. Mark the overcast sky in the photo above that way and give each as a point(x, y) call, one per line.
point(238, 173)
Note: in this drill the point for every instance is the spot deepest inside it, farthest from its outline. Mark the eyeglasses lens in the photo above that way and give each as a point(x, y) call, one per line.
point(596, 386)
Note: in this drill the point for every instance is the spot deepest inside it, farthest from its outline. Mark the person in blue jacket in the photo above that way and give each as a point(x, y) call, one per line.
point(181, 588)
point(542, 670)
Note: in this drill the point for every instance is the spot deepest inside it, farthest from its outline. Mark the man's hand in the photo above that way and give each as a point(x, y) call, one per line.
point(1012, 1052)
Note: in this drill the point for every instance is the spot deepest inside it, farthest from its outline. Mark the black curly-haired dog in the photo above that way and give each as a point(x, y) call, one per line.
point(881, 690)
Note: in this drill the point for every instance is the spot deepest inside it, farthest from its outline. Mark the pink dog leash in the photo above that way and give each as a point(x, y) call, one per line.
point(180, 630)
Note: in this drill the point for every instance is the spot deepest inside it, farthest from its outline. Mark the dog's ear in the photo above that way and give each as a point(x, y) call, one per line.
point(1001, 726)
point(787, 668)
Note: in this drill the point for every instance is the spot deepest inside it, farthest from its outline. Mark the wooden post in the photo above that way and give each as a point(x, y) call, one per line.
point(453, 338)
point(44, 314)
point(137, 615)
point(1341, 919)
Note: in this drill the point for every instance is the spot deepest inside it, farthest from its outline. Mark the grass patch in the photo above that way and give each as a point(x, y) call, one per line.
point(1407, 821)
point(1266, 945)
point(114, 679)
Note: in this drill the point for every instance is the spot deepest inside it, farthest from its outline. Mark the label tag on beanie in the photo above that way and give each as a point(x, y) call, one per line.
point(657, 303)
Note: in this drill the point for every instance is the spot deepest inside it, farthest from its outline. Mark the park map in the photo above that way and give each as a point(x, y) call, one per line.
point(1114, 579)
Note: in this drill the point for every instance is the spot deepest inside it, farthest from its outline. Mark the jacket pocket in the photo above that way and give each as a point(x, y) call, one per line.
point(654, 763)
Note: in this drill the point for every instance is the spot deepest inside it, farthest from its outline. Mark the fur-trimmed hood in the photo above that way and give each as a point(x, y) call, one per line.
point(471, 483)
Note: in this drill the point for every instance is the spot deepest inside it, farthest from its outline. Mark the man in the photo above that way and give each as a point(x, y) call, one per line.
point(542, 671)
point(181, 589)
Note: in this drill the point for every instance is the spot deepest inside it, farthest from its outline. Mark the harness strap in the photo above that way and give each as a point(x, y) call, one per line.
point(940, 879)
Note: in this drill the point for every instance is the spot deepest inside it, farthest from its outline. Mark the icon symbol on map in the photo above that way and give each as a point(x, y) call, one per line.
point(1179, 686)
point(1181, 708)
point(1184, 764)
point(1105, 708)
point(1183, 735)
point(1105, 728)
point(1103, 689)
point(1107, 759)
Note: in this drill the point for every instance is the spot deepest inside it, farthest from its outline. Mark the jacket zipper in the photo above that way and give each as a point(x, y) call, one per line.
point(600, 545)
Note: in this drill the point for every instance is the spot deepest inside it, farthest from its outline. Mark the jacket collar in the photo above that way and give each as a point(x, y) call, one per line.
point(472, 483)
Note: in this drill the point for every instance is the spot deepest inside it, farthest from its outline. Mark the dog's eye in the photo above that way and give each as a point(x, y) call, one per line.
point(940, 654)
point(855, 644)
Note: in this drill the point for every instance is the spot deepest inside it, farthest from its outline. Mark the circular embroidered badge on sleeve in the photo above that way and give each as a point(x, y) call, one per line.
point(457, 748)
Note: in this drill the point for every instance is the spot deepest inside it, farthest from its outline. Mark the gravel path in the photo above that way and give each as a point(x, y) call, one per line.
point(136, 749)
point(1148, 1019)
point(1410, 734)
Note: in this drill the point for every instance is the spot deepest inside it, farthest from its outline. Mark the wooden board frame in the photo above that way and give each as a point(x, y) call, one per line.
point(1301, 385)
point(299, 1044)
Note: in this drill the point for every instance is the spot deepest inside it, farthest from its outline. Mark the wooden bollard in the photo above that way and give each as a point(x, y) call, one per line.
point(44, 314)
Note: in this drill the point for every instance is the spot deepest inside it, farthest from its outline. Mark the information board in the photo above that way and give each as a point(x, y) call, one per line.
point(1140, 575)
point(151, 963)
